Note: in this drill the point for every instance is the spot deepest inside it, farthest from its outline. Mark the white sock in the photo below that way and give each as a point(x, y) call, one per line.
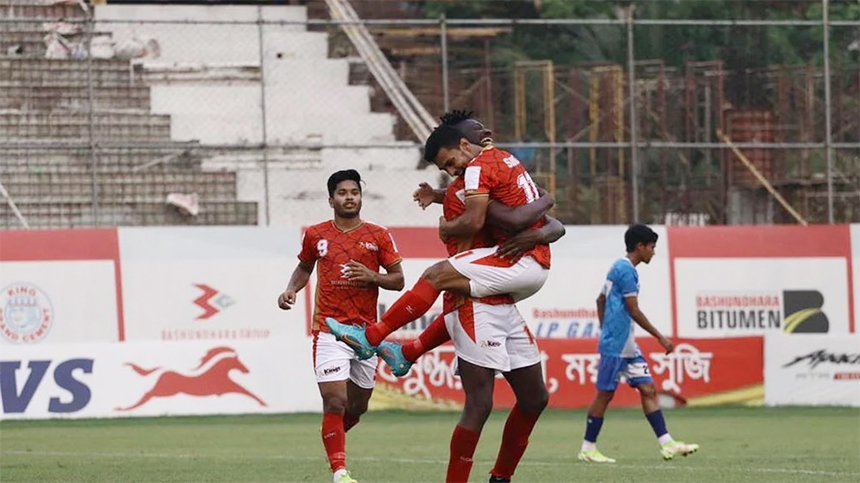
point(588, 446)
point(338, 474)
point(664, 439)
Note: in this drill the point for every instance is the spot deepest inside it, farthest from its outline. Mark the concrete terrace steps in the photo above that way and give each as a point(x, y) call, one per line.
point(26, 71)
point(46, 98)
point(119, 187)
point(108, 126)
point(30, 9)
point(70, 215)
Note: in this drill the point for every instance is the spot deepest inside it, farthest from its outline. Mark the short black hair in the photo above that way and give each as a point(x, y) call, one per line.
point(637, 234)
point(342, 175)
point(444, 136)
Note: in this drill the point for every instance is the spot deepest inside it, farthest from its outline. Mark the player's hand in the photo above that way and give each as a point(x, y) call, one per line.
point(424, 195)
point(520, 243)
point(286, 300)
point(667, 344)
point(356, 272)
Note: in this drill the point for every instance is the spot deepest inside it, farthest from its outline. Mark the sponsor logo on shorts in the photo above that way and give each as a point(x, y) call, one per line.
point(490, 343)
point(330, 370)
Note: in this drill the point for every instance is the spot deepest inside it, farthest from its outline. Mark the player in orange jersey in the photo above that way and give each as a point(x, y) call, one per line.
point(348, 252)
point(489, 333)
point(487, 173)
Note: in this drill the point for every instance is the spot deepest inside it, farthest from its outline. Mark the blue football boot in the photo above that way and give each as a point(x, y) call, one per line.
point(392, 354)
point(353, 336)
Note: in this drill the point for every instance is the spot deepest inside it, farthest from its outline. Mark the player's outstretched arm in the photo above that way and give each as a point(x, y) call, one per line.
point(517, 219)
point(298, 280)
point(632, 303)
point(426, 195)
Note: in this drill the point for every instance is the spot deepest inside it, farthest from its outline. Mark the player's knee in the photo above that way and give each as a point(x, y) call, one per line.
point(605, 396)
point(334, 404)
point(434, 273)
point(357, 408)
point(647, 390)
point(535, 402)
point(479, 408)
point(443, 276)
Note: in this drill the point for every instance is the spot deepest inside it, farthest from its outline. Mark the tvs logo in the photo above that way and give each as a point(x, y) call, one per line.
point(26, 313)
point(790, 310)
point(211, 301)
point(210, 378)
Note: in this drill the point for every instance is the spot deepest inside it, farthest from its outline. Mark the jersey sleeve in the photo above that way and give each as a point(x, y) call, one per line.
point(628, 281)
point(388, 253)
point(309, 253)
point(478, 179)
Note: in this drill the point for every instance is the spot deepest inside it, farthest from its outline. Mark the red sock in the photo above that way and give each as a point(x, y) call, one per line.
point(463, 444)
point(515, 440)
point(413, 304)
point(433, 336)
point(334, 440)
point(349, 421)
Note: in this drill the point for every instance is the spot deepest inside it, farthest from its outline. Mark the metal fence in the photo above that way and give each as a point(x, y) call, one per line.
point(236, 115)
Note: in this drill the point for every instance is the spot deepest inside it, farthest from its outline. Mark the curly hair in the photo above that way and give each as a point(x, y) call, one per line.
point(455, 117)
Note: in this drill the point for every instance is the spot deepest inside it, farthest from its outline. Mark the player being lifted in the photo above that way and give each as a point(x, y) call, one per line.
point(348, 252)
point(617, 310)
point(488, 173)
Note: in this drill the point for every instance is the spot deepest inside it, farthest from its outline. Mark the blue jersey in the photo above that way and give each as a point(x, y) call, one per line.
point(616, 335)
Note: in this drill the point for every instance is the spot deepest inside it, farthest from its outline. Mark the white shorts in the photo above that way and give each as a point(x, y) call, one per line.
point(336, 361)
point(492, 336)
point(489, 274)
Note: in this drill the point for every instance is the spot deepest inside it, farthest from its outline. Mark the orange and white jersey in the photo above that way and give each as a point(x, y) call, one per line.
point(332, 248)
point(500, 175)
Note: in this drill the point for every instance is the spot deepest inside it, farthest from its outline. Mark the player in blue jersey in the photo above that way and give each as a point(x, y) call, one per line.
point(617, 310)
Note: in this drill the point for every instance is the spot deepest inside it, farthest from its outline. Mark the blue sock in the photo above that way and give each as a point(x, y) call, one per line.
point(658, 424)
point(592, 428)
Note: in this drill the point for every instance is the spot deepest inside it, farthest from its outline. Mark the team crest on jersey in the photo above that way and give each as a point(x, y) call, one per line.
point(370, 246)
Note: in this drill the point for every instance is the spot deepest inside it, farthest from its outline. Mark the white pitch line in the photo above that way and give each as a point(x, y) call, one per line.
point(666, 467)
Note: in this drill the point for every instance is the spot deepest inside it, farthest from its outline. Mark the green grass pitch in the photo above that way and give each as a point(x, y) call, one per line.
point(738, 445)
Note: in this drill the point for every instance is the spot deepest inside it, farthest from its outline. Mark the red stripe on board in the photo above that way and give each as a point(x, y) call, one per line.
point(760, 241)
point(419, 242)
point(673, 298)
point(851, 321)
point(82, 244)
point(34, 245)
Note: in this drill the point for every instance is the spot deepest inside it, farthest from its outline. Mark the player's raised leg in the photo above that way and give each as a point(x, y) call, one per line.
point(410, 306)
point(400, 357)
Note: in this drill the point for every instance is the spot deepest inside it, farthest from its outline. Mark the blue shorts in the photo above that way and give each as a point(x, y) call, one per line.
point(611, 368)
